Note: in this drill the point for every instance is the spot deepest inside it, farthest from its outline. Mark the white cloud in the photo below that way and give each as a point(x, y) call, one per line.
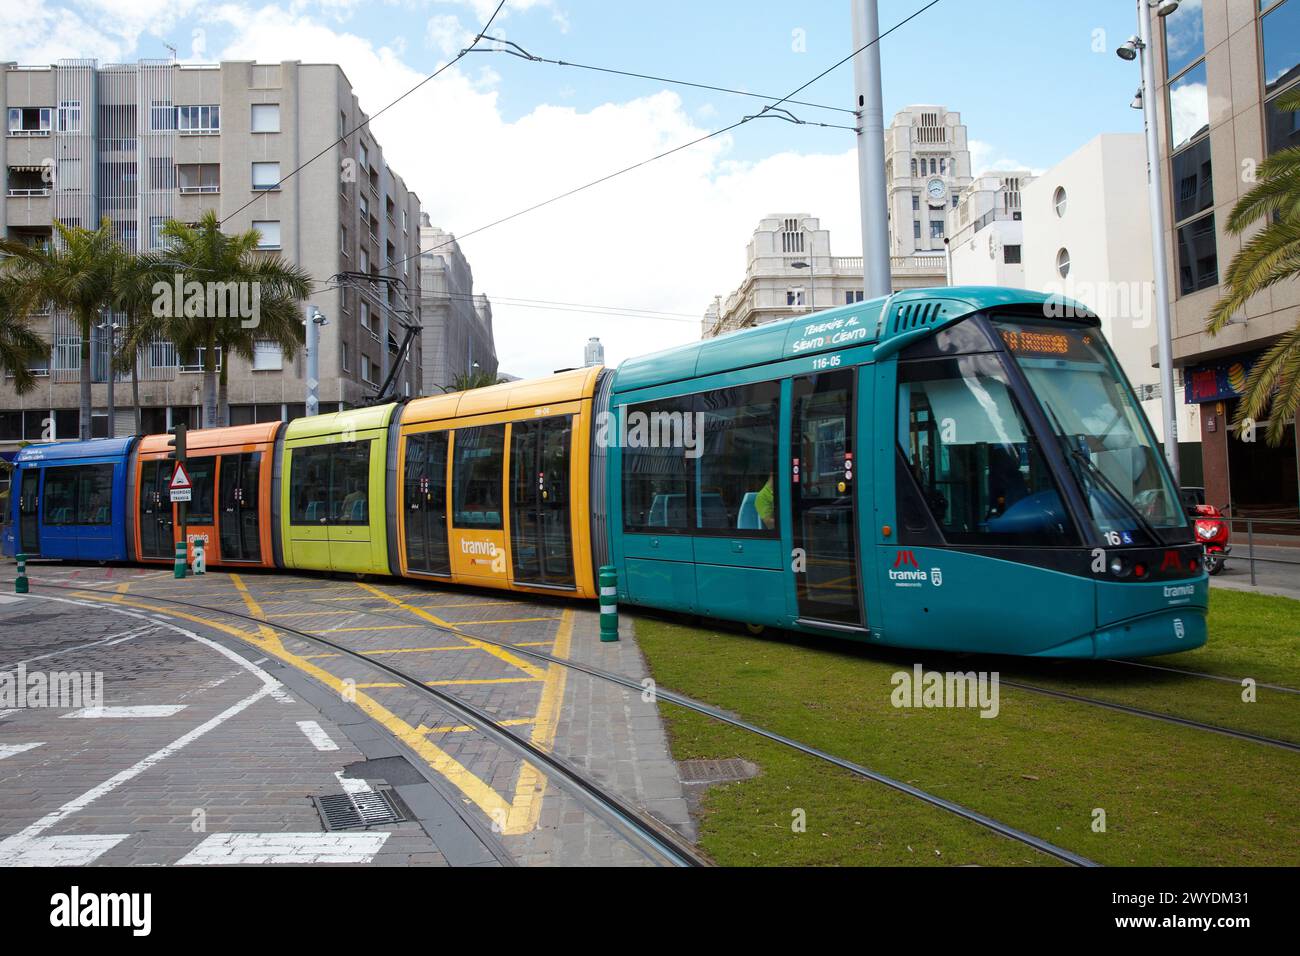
point(987, 158)
point(446, 34)
point(667, 237)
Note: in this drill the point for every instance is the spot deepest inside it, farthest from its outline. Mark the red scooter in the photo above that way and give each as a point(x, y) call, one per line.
point(1211, 529)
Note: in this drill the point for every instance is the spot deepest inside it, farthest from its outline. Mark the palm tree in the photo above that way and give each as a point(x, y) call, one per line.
point(133, 296)
point(203, 253)
point(20, 347)
point(75, 275)
point(476, 379)
point(1270, 256)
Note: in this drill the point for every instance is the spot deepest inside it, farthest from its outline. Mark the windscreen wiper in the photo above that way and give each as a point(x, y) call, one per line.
point(1102, 478)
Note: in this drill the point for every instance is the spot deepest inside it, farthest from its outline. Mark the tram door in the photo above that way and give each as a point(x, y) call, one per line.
point(424, 486)
point(824, 500)
point(238, 506)
point(539, 502)
point(157, 531)
point(29, 498)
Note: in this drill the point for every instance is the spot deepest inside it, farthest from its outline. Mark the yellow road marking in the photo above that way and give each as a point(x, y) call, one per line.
point(511, 620)
point(379, 684)
point(483, 796)
point(121, 592)
point(253, 607)
point(531, 783)
point(530, 669)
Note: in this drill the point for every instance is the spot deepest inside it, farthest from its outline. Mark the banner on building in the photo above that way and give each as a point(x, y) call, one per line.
point(1217, 382)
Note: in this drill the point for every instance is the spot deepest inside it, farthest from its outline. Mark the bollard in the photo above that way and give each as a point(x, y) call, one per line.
point(200, 565)
point(20, 582)
point(179, 570)
point(608, 603)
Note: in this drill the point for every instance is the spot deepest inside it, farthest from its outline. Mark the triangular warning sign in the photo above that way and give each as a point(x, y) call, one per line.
point(180, 479)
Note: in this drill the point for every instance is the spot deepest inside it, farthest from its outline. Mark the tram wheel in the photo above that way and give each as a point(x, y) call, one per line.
point(756, 629)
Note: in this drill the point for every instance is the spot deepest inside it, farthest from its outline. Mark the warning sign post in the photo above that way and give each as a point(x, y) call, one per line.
point(181, 488)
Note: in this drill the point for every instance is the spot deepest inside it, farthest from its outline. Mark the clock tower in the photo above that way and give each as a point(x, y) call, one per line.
point(927, 164)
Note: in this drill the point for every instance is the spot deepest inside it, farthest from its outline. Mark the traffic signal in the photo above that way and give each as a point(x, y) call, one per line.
point(177, 441)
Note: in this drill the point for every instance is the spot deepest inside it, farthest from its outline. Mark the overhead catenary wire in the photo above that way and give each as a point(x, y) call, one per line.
point(442, 69)
point(767, 109)
point(523, 54)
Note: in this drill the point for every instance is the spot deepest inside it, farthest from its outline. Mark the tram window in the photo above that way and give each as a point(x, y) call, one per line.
point(95, 495)
point(350, 483)
point(61, 495)
point(310, 471)
point(200, 507)
point(656, 471)
point(980, 469)
point(735, 471)
point(476, 476)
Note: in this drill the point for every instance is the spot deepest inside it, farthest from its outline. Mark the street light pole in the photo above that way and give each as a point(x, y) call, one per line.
point(869, 103)
point(315, 319)
point(1155, 196)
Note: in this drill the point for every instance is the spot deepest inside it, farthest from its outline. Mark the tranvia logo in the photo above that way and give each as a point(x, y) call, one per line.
point(907, 573)
point(479, 547)
point(936, 576)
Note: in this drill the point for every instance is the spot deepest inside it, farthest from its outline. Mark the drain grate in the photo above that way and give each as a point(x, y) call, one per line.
point(716, 771)
point(350, 811)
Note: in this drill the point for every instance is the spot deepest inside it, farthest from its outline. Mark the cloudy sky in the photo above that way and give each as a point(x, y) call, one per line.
point(1034, 79)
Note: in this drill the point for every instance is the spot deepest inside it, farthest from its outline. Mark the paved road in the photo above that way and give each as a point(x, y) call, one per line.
point(1272, 575)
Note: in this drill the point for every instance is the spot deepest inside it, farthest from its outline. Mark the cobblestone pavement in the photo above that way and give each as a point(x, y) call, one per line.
point(258, 702)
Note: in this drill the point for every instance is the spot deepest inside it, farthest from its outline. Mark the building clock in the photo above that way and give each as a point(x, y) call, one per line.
point(936, 189)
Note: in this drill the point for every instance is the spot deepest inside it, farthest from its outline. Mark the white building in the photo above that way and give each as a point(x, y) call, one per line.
point(594, 353)
point(790, 270)
point(985, 231)
point(456, 336)
point(1087, 235)
point(927, 165)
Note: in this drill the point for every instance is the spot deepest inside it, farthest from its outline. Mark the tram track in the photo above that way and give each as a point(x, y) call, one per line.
point(681, 700)
point(656, 841)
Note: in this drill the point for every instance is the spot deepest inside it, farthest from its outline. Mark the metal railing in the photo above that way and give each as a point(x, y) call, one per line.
point(1251, 557)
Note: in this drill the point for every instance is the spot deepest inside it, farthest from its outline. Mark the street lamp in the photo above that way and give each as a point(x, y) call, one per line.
point(315, 318)
point(1139, 47)
point(112, 328)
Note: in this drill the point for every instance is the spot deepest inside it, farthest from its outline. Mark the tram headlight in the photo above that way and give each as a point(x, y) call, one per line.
point(1119, 568)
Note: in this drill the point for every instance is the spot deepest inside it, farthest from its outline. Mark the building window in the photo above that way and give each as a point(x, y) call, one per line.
point(1060, 201)
point(162, 115)
point(198, 119)
point(347, 359)
point(916, 229)
point(936, 228)
point(1189, 107)
point(1192, 188)
point(914, 168)
point(269, 231)
point(30, 120)
point(954, 201)
point(476, 477)
point(67, 175)
point(343, 241)
point(794, 295)
point(267, 356)
point(365, 261)
point(852, 296)
point(156, 238)
point(367, 369)
point(266, 118)
point(792, 237)
point(1280, 38)
point(70, 116)
point(1063, 263)
point(266, 175)
point(916, 201)
point(1282, 127)
point(1011, 255)
point(199, 177)
point(1198, 258)
point(343, 124)
point(1184, 38)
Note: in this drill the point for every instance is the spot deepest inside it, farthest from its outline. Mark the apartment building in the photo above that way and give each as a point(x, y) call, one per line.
point(145, 142)
point(1221, 67)
point(457, 336)
point(986, 231)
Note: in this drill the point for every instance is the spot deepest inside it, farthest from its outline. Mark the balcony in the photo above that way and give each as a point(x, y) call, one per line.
point(27, 181)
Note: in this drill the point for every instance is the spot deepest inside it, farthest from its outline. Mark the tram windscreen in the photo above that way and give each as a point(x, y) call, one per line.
point(1111, 449)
